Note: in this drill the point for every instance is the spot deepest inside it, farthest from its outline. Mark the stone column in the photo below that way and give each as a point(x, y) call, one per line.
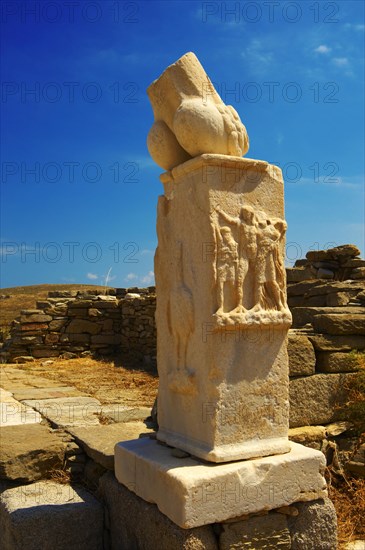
point(222, 321)
point(221, 316)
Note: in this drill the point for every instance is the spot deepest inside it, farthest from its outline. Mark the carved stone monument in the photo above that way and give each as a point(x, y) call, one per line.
point(222, 319)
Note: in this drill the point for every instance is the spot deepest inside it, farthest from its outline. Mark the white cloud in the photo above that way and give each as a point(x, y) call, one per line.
point(355, 27)
point(149, 278)
point(140, 280)
point(322, 49)
point(340, 61)
point(147, 252)
point(92, 276)
point(257, 54)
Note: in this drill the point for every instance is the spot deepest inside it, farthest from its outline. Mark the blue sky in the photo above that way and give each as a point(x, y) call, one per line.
point(78, 187)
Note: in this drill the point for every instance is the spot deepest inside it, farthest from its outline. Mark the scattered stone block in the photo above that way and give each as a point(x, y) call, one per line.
point(34, 316)
point(256, 533)
point(29, 452)
point(48, 515)
point(302, 359)
point(333, 323)
point(310, 436)
point(24, 358)
point(135, 523)
point(40, 352)
point(302, 288)
point(341, 253)
point(339, 299)
point(337, 428)
point(315, 527)
point(295, 275)
point(314, 399)
point(304, 315)
point(98, 442)
point(57, 324)
point(336, 361)
point(33, 327)
point(330, 342)
point(357, 463)
point(78, 326)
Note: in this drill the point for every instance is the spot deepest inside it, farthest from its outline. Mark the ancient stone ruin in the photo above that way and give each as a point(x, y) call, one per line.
point(225, 471)
point(222, 324)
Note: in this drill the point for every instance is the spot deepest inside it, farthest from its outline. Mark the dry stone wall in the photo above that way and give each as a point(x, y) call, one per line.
point(70, 324)
point(328, 327)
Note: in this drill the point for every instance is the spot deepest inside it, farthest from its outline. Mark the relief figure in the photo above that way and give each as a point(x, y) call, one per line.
point(180, 313)
point(269, 272)
point(247, 226)
point(227, 259)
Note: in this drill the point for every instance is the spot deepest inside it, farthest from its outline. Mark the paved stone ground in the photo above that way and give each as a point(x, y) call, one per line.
point(49, 432)
point(13, 413)
point(42, 425)
point(45, 428)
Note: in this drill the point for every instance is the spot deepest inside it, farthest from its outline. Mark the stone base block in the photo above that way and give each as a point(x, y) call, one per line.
point(138, 525)
point(48, 515)
point(193, 493)
point(135, 524)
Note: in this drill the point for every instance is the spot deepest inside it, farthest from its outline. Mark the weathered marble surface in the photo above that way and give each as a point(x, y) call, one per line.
point(193, 493)
point(190, 117)
point(221, 315)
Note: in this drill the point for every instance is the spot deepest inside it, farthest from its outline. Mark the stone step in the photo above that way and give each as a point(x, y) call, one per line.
point(98, 442)
point(68, 411)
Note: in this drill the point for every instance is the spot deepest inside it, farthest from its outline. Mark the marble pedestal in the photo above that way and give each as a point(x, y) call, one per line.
point(192, 492)
point(221, 314)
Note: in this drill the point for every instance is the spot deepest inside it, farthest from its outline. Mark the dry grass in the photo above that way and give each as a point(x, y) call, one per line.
point(60, 476)
point(104, 380)
point(348, 497)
